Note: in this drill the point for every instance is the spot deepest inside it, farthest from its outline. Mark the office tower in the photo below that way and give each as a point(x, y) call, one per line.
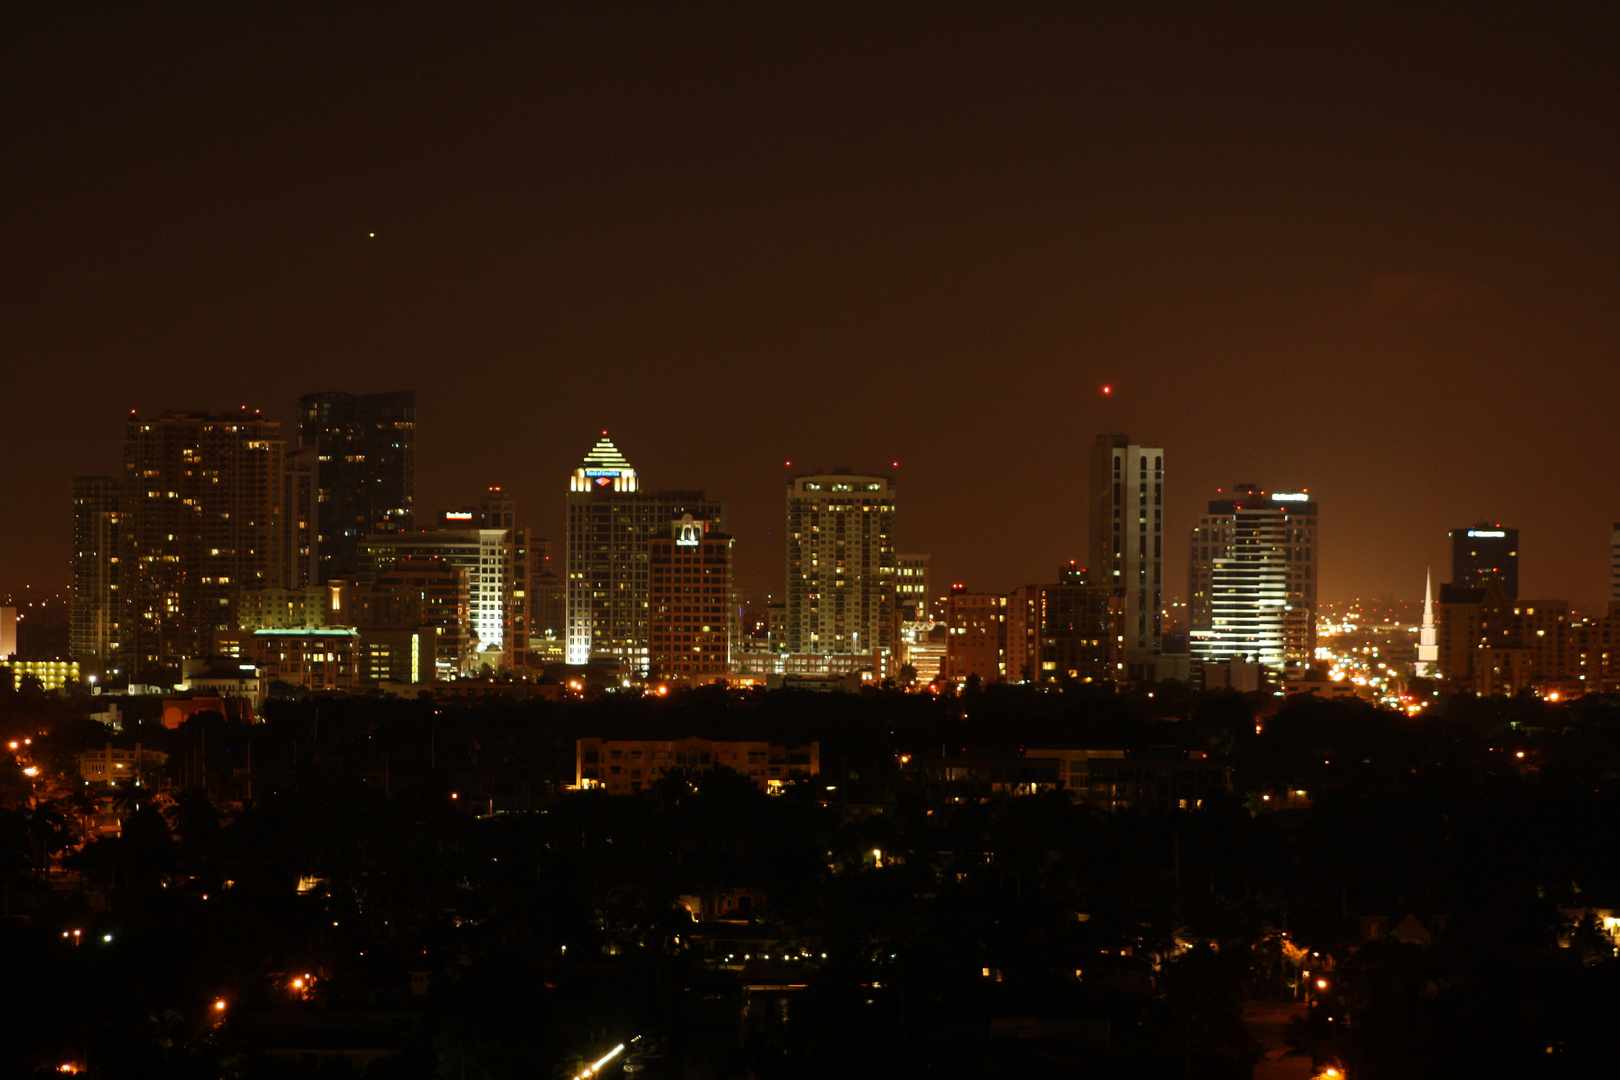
point(1127, 542)
point(1486, 551)
point(96, 613)
point(611, 523)
point(1428, 653)
point(689, 609)
point(482, 553)
point(202, 522)
point(1247, 595)
point(8, 633)
point(1060, 631)
point(975, 636)
point(840, 564)
point(366, 470)
point(301, 517)
point(1212, 540)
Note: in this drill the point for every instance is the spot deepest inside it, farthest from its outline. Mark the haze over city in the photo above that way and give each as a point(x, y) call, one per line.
point(1368, 250)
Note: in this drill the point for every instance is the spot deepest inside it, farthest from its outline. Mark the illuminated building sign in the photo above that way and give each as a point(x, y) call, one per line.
point(594, 473)
point(688, 533)
point(1487, 532)
point(458, 515)
point(1290, 496)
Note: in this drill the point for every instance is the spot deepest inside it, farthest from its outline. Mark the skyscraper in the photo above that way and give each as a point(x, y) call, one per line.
point(1248, 590)
point(366, 470)
point(689, 595)
point(1486, 551)
point(840, 564)
point(96, 612)
point(611, 523)
point(1213, 539)
point(202, 521)
point(1127, 542)
point(482, 553)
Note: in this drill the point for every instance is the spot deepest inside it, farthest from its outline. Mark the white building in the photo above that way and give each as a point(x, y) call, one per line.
point(1248, 591)
point(1127, 543)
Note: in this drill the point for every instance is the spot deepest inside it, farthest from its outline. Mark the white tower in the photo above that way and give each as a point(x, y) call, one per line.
point(1428, 654)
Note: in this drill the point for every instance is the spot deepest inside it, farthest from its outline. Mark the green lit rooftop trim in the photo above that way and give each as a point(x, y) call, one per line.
point(604, 455)
point(310, 632)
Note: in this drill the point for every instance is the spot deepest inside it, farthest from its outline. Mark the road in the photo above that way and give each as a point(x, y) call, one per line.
point(1265, 1020)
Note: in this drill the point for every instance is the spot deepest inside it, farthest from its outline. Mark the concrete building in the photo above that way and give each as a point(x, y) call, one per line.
point(1614, 566)
point(301, 510)
point(1486, 551)
point(201, 506)
point(627, 766)
point(97, 613)
point(1295, 543)
point(611, 523)
point(326, 659)
point(481, 553)
point(975, 637)
point(1239, 583)
point(442, 590)
point(1127, 543)
point(841, 565)
point(689, 593)
point(365, 472)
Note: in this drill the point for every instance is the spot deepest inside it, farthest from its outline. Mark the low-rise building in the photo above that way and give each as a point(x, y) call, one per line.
point(115, 764)
point(627, 766)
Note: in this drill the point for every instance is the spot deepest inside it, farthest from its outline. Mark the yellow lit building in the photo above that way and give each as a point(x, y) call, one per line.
point(52, 674)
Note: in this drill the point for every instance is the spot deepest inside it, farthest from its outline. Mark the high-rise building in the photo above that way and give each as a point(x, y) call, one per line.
point(1485, 551)
point(611, 524)
point(689, 591)
point(97, 610)
point(840, 564)
point(482, 553)
point(1060, 631)
point(975, 636)
point(1213, 539)
point(912, 585)
point(1244, 612)
point(1127, 542)
point(366, 470)
point(445, 606)
point(301, 517)
point(201, 522)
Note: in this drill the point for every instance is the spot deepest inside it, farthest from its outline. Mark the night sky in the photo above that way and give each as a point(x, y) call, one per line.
point(1361, 249)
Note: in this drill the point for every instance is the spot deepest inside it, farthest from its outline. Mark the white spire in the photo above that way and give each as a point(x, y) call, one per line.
point(1428, 653)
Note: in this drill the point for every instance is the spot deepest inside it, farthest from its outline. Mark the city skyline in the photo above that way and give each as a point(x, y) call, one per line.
point(1364, 250)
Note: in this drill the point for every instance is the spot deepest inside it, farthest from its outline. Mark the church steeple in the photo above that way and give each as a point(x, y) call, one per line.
point(1428, 653)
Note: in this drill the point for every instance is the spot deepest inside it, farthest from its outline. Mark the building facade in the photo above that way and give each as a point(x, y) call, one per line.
point(689, 592)
point(201, 522)
point(628, 766)
point(1277, 527)
point(611, 525)
point(841, 564)
point(1062, 631)
point(97, 602)
point(1127, 543)
point(1486, 551)
point(365, 446)
point(975, 637)
point(481, 553)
